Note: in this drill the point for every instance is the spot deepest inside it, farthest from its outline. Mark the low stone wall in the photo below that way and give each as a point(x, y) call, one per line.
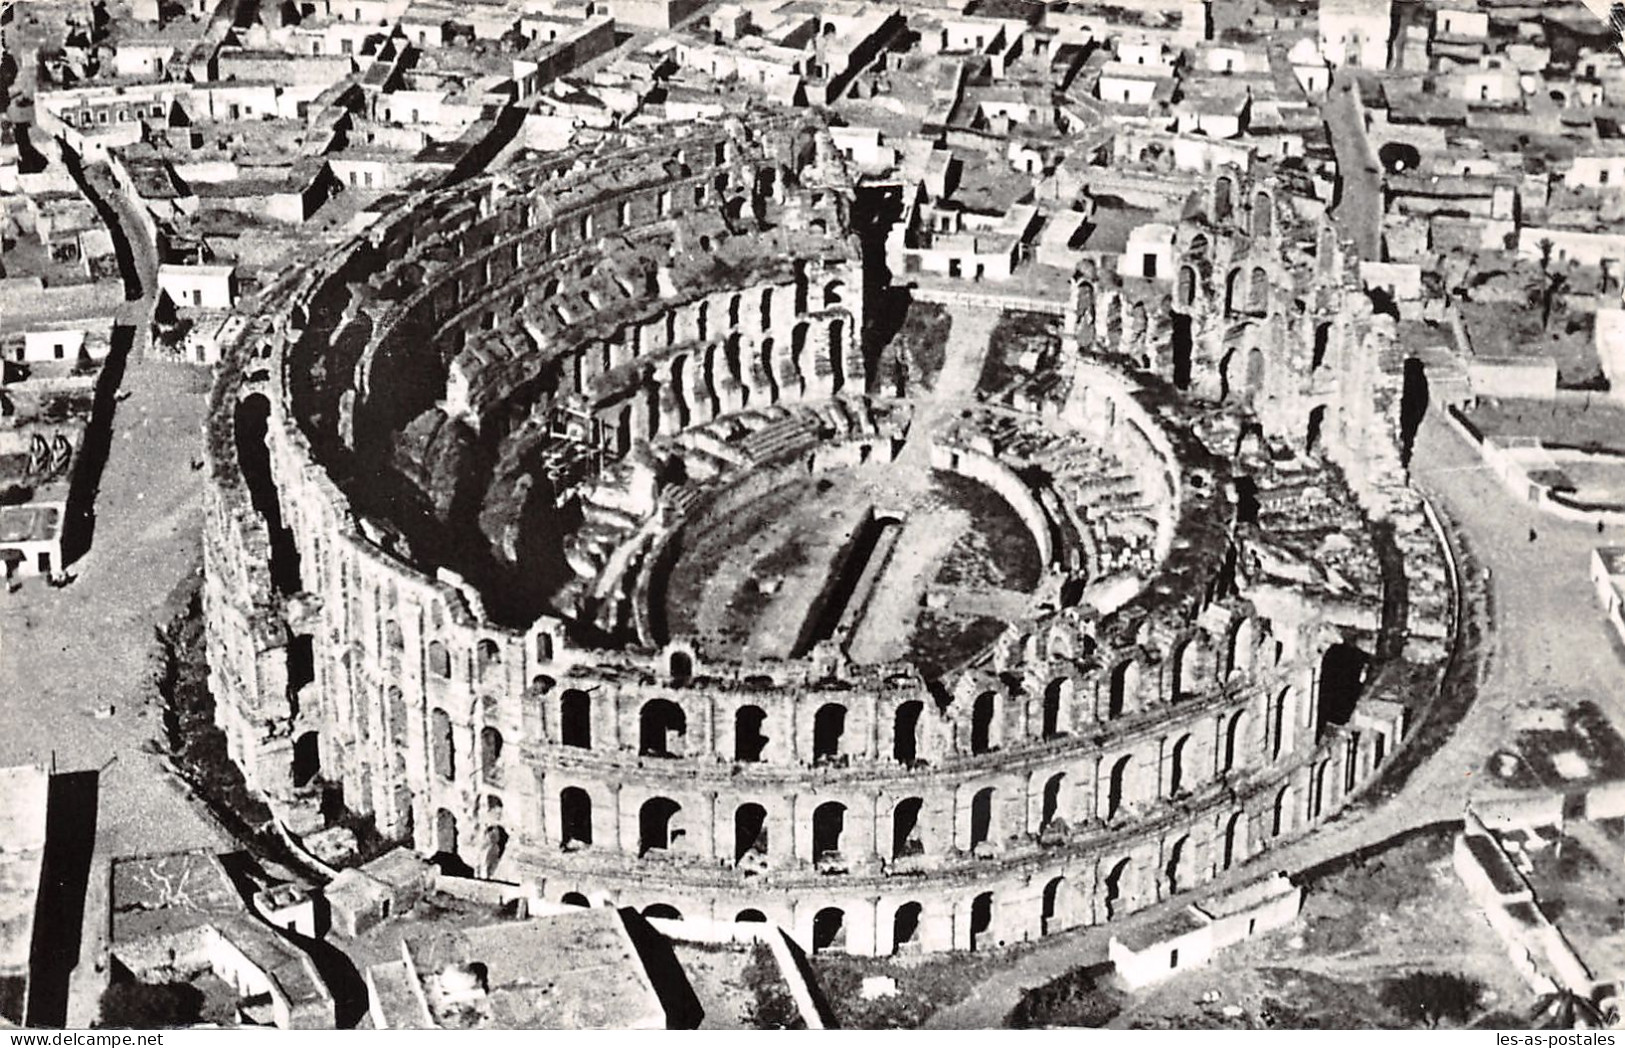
point(750, 932)
point(1504, 465)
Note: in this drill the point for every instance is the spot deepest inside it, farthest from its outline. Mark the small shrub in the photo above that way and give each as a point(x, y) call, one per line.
point(1078, 998)
point(1432, 998)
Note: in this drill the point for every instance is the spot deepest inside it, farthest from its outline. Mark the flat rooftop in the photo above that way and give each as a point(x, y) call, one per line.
point(574, 971)
point(30, 523)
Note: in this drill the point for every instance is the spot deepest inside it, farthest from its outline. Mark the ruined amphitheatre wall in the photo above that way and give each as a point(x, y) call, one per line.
point(1081, 770)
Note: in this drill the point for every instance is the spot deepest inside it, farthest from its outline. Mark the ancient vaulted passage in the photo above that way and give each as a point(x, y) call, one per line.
point(662, 729)
point(905, 732)
point(487, 660)
point(307, 761)
point(575, 817)
point(1234, 847)
point(439, 660)
point(575, 719)
point(1051, 808)
point(829, 929)
point(445, 832)
point(1174, 868)
point(1057, 708)
point(906, 837)
point(984, 731)
point(1177, 771)
point(905, 929)
point(491, 755)
point(750, 830)
point(1342, 677)
point(829, 726)
point(749, 739)
point(1117, 786)
point(1123, 687)
point(829, 828)
point(1117, 887)
point(657, 824)
point(981, 921)
point(981, 816)
point(1056, 907)
point(441, 750)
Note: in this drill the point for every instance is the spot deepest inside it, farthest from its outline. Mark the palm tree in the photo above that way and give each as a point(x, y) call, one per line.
point(1570, 1010)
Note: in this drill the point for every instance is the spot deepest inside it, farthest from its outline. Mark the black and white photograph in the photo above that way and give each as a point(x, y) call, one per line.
point(812, 514)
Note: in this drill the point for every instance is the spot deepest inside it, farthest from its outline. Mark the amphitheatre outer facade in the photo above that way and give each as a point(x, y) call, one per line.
point(458, 463)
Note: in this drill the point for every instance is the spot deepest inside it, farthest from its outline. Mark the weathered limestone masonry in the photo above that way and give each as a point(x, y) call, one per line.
point(529, 380)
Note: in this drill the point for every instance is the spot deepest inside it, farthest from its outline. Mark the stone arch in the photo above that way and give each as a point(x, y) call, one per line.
point(1123, 689)
point(1053, 804)
point(679, 389)
point(750, 916)
point(392, 637)
point(750, 830)
point(749, 739)
point(829, 728)
point(1280, 724)
point(496, 846)
point(905, 828)
point(1234, 848)
point(905, 732)
point(1242, 640)
point(442, 752)
point(981, 921)
point(1258, 291)
point(1192, 667)
point(1179, 771)
point(765, 312)
point(905, 927)
point(837, 354)
point(657, 825)
point(1058, 708)
point(1234, 738)
point(832, 292)
point(575, 899)
point(1282, 815)
point(445, 832)
point(575, 818)
point(1263, 214)
point(439, 660)
point(1187, 286)
point(491, 755)
point(1117, 781)
point(662, 729)
point(1224, 200)
point(984, 730)
point(662, 911)
point(829, 930)
point(1340, 681)
point(307, 758)
point(487, 659)
point(1233, 291)
point(681, 667)
point(829, 828)
point(1119, 886)
point(575, 719)
point(1059, 907)
point(983, 816)
point(1317, 789)
point(1173, 871)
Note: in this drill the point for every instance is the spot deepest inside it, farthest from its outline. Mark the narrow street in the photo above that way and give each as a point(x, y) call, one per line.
point(76, 668)
point(1359, 209)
